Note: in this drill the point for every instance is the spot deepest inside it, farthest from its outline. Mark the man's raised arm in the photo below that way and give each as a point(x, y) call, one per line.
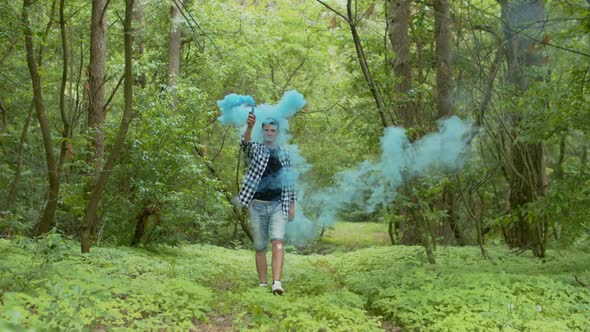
point(251, 121)
point(247, 138)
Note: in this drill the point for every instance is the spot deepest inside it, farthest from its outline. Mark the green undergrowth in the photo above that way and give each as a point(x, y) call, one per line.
point(349, 236)
point(49, 286)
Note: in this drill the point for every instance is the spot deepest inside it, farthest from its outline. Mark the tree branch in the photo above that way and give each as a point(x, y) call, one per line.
point(114, 91)
point(334, 11)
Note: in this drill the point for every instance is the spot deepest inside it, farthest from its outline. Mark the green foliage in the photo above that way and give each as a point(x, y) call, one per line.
point(347, 236)
point(467, 293)
point(336, 310)
point(264, 48)
point(48, 285)
point(115, 289)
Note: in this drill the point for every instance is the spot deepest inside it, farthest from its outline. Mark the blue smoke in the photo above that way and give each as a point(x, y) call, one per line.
point(234, 109)
point(370, 184)
point(375, 183)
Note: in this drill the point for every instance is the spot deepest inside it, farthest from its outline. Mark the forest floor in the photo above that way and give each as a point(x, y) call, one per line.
point(358, 283)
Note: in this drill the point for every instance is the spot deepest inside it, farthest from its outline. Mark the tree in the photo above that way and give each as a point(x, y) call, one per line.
point(174, 43)
point(12, 192)
point(138, 38)
point(523, 20)
point(66, 132)
point(52, 167)
point(398, 20)
point(97, 81)
point(352, 21)
point(444, 96)
point(90, 215)
point(442, 37)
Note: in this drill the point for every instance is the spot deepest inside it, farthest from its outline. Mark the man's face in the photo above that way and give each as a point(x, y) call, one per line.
point(269, 132)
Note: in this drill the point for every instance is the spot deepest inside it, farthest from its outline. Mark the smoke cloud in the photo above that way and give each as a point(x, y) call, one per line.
point(235, 108)
point(372, 183)
point(375, 183)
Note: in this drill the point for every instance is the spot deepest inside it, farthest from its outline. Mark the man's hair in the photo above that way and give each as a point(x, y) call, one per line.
point(270, 121)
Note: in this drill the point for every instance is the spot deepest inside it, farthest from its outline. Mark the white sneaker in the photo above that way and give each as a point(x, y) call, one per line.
point(277, 288)
point(262, 284)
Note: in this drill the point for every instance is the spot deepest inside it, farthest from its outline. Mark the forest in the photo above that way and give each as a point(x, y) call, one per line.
point(440, 152)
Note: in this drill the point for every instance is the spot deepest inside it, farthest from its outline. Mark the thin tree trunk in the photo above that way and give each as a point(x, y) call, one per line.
point(52, 172)
point(391, 225)
point(19, 159)
point(442, 35)
point(90, 216)
point(138, 34)
point(399, 18)
point(11, 197)
point(174, 44)
point(386, 118)
point(420, 64)
point(584, 157)
point(4, 112)
point(141, 223)
point(66, 133)
point(391, 231)
point(424, 236)
point(385, 115)
point(527, 181)
point(448, 198)
point(443, 93)
point(238, 214)
point(559, 166)
point(475, 217)
point(96, 101)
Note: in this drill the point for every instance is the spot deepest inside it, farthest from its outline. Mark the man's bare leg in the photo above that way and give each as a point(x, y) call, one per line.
point(278, 256)
point(261, 265)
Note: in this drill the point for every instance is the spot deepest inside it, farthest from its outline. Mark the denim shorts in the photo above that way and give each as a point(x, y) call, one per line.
point(266, 217)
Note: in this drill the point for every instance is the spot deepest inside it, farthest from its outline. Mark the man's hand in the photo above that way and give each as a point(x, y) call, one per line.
point(251, 119)
point(292, 212)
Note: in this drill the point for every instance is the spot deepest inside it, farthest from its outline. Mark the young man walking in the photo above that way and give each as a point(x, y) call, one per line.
point(268, 191)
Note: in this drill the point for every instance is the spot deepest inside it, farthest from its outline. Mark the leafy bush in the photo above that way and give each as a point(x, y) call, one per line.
point(48, 285)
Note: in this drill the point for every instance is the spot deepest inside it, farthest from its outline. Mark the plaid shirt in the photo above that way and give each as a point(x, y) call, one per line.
point(258, 154)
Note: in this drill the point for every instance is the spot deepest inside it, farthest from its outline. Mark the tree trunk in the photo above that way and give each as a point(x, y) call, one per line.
point(391, 231)
point(12, 192)
point(92, 207)
point(584, 157)
point(138, 38)
point(449, 202)
point(4, 111)
point(11, 197)
point(527, 180)
point(141, 223)
point(424, 235)
point(238, 213)
point(443, 93)
point(66, 132)
point(399, 17)
point(384, 114)
point(442, 35)
point(97, 78)
point(174, 45)
point(52, 172)
point(386, 119)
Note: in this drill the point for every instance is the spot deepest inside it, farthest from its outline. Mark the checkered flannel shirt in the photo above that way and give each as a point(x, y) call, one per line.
point(258, 155)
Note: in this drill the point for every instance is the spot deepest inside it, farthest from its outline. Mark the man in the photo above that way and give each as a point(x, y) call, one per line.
point(268, 191)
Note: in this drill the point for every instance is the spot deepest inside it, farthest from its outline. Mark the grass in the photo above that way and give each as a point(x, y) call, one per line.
point(348, 236)
point(48, 285)
point(357, 235)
